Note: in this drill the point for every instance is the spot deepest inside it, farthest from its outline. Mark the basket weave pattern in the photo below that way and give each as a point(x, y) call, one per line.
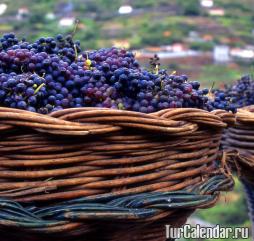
point(238, 142)
point(68, 172)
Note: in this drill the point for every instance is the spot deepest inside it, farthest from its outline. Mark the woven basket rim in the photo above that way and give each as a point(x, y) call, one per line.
point(245, 114)
point(89, 121)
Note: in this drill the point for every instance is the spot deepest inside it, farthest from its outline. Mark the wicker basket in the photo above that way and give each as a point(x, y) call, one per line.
point(249, 191)
point(105, 175)
point(238, 143)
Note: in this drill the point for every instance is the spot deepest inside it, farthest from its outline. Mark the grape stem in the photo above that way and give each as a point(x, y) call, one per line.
point(75, 27)
point(76, 52)
point(212, 87)
point(38, 88)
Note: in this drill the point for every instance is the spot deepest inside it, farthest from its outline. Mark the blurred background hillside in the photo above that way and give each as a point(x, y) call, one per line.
point(210, 40)
point(185, 34)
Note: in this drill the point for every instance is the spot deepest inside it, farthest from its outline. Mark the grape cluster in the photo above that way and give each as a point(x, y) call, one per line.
point(54, 73)
point(235, 96)
point(23, 91)
point(64, 47)
point(8, 40)
point(111, 59)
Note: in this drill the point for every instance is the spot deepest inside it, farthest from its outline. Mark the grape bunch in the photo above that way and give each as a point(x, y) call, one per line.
point(111, 59)
point(54, 73)
point(22, 91)
point(8, 40)
point(235, 96)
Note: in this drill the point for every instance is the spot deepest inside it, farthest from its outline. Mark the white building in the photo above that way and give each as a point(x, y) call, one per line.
point(194, 37)
point(50, 16)
point(67, 21)
point(221, 54)
point(3, 8)
point(125, 9)
point(206, 3)
point(216, 12)
point(22, 13)
point(247, 53)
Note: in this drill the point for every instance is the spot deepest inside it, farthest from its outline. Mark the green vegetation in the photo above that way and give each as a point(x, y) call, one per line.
point(231, 211)
point(220, 74)
point(154, 23)
point(202, 46)
point(190, 7)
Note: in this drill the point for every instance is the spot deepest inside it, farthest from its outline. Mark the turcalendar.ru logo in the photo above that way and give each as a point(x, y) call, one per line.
point(198, 232)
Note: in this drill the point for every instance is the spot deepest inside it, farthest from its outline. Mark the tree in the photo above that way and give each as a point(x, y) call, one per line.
point(190, 7)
